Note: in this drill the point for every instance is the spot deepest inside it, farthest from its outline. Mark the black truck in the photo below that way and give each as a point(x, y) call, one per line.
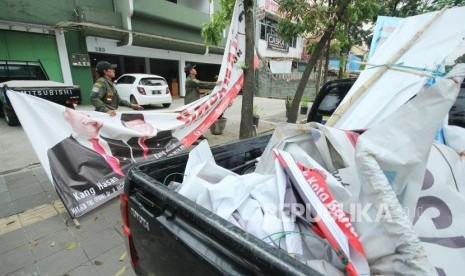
point(167, 234)
point(30, 77)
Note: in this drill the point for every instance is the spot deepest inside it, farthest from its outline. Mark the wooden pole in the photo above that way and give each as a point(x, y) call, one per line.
point(357, 94)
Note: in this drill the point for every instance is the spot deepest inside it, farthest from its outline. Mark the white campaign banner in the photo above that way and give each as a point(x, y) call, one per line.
point(87, 154)
point(429, 52)
point(407, 220)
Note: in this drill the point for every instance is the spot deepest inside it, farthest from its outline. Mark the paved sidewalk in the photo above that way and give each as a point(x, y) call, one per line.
point(37, 236)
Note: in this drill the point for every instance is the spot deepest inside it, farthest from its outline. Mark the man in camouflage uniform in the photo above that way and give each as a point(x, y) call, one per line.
point(192, 84)
point(104, 96)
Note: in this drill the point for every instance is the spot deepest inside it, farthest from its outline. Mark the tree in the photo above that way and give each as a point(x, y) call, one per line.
point(405, 8)
point(211, 33)
point(460, 59)
point(331, 18)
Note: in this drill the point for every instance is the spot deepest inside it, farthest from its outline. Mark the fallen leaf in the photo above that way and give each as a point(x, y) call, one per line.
point(98, 263)
point(11, 222)
point(95, 219)
point(71, 246)
point(123, 256)
point(52, 244)
point(34, 243)
point(121, 271)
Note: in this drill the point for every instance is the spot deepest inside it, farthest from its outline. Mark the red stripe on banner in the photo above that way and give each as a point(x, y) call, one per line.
point(316, 179)
point(212, 116)
point(353, 137)
point(322, 226)
point(192, 114)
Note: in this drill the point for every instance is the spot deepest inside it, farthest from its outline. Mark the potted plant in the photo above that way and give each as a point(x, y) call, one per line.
point(304, 105)
point(255, 115)
point(218, 126)
point(288, 103)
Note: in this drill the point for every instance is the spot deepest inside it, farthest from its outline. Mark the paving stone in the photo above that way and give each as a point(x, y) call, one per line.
point(25, 190)
point(3, 187)
point(17, 175)
point(44, 228)
point(32, 201)
point(15, 259)
point(52, 195)
point(52, 243)
point(30, 270)
point(5, 197)
point(112, 216)
point(11, 240)
point(10, 224)
point(101, 242)
point(39, 173)
point(7, 209)
point(110, 263)
point(47, 186)
point(62, 261)
point(24, 180)
point(84, 269)
point(90, 223)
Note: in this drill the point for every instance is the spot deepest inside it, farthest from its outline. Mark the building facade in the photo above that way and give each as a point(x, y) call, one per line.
point(142, 36)
point(282, 56)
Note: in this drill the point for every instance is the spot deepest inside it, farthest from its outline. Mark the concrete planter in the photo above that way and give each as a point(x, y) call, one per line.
point(255, 120)
point(218, 126)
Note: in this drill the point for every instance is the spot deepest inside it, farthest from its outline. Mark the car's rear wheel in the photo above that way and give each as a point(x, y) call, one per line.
point(10, 117)
point(166, 104)
point(133, 100)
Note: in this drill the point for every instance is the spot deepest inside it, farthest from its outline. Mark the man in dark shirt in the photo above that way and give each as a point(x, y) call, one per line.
point(192, 84)
point(104, 96)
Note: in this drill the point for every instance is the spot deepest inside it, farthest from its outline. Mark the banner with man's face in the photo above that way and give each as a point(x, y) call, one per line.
point(87, 154)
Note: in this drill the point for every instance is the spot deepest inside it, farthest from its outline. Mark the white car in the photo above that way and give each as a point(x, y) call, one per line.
point(144, 89)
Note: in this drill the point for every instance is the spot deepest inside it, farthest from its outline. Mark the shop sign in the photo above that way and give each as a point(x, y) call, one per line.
point(276, 43)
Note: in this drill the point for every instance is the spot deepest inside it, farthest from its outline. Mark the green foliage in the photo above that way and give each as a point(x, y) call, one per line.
point(255, 111)
point(288, 102)
point(212, 31)
point(404, 8)
point(304, 18)
point(304, 102)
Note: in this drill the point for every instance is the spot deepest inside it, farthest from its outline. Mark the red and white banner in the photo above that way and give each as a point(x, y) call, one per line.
point(87, 154)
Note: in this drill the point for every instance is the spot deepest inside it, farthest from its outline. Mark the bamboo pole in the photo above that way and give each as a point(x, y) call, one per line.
point(400, 69)
point(357, 94)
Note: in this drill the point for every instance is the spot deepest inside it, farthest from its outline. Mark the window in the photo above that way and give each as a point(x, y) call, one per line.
point(21, 71)
point(330, 102)
point(270, 26)
point(126, 80)
point(152, 81)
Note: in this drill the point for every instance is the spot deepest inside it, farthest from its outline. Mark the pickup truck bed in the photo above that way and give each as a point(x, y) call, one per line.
point(174, 236)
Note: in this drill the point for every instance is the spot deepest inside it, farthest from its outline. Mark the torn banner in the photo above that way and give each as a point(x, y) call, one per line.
point(86, 154)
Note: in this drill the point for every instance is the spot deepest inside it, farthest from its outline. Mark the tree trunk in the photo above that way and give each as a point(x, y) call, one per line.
point(318, 76)
point(341, 65)
point(246, 126)
point(327, 52)
point(311, 63)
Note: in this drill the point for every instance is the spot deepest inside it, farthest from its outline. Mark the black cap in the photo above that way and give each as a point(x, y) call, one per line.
point(188, 68)
point(105, 65)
